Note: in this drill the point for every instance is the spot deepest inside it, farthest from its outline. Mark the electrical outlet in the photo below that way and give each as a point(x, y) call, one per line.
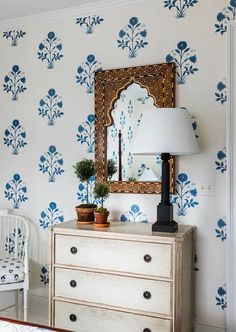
point(205, 188)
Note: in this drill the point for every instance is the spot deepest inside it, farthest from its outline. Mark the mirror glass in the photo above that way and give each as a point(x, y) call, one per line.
point(127, 116)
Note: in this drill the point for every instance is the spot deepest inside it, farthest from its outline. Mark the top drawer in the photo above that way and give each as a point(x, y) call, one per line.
point(117, 255)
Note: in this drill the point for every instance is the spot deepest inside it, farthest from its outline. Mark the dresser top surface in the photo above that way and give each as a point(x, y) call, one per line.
point(121, 229)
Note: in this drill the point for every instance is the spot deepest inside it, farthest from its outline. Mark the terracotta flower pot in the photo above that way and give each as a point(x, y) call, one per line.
point(85, 215)
point(101, 218)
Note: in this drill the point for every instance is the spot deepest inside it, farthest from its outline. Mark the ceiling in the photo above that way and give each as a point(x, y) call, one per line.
point(10, 9)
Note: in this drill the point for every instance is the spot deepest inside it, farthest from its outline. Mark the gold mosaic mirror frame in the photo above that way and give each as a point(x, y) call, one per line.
point(159, 80)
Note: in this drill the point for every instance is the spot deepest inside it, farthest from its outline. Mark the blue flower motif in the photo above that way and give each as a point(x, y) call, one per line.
point(15, 82)
point(221, 232)
point(15, 241)
point(50, 163)
point(221, 155)
point(15, 191)
point(41, 46)
point(193, 59)
point(15, 137)
point(51, 35)
point(221, 93)
point(227, 14)
point(184, 58)
point(52, 149)
point(50, 107)
point(134, 215)
point(42, 159)
point(193, 192)
point(182, 177)
point(44, 275)
point(220, 17)
point(181, 6)
point(221, 163)
point(16, 177)
point(80, 70)
point(185, 194)
point(82, 192)
point(122, 33)
point(169, 58)
point(15, 69)
point(135, 208)
point(133, 37)
point(182, 45)
point(86, 71)
point(86, 133)
point(89, 22)
point(51, 216)
point(143, 33)
point(90, 58)
point(7, 186)
point(221, 86)
point(59, 47)
point(14, 35)
point(233, 3)
point(50, 50)
point(221, 298)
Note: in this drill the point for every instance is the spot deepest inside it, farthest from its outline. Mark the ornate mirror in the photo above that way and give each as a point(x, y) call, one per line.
point(121, 97)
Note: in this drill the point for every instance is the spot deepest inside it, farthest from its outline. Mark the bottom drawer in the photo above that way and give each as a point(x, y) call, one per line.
point(81, 318)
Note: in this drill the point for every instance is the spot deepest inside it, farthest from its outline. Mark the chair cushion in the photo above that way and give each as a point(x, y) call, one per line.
point(11, 270)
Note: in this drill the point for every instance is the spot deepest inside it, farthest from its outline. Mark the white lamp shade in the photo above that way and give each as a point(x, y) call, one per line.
point(165, 130)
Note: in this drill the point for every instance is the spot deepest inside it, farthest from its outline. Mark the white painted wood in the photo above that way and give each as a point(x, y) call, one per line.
point(13, 20)
point(103, 286)
point(114, 290)
point(114, 255)
point(101, 320)
point(140, 232)
point(231, 183)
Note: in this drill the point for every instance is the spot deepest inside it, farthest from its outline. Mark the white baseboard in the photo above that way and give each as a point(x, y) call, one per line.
point(208, 328)
point(39, 292)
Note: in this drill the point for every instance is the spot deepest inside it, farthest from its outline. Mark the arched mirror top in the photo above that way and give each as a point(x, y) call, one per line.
point(132, 81)
point(158, 83)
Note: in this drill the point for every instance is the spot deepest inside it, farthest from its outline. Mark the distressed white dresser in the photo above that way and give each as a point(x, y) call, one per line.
point(121, 279)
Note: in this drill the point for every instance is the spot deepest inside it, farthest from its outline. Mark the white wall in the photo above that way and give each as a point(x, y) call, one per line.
point(207, 54)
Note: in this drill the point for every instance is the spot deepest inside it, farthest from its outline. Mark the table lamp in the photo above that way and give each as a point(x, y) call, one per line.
point(165, 131)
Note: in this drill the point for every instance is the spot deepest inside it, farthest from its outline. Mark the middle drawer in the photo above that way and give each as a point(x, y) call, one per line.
point(127, 292)
point(154, 259)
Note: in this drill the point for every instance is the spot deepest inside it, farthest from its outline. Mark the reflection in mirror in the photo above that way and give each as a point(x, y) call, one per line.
point(127, 116)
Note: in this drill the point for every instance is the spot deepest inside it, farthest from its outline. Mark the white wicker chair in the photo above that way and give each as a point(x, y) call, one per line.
point(14, 258)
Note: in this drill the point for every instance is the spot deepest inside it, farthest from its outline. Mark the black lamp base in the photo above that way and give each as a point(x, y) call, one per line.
point(165, 222)
point(171, 227)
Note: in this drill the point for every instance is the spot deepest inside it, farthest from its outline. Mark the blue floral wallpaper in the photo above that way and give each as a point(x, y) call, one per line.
point(47, 123)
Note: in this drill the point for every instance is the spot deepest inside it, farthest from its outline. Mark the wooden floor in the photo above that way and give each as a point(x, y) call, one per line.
point(37, 312)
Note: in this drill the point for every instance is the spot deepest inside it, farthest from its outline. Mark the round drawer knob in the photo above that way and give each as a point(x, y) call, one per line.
point(73, 318)
point(73, 250)
point(147, 330)
point(73, 283)
point(147, 295)
point(147, 259)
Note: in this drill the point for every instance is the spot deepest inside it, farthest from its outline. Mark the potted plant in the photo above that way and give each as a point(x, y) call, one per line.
point(111, 168)
point(84, 169)
point(101, 191)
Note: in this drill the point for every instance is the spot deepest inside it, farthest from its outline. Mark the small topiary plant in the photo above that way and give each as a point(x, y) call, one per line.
point(101, 191)
point(111, 168)
point(84, 169)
